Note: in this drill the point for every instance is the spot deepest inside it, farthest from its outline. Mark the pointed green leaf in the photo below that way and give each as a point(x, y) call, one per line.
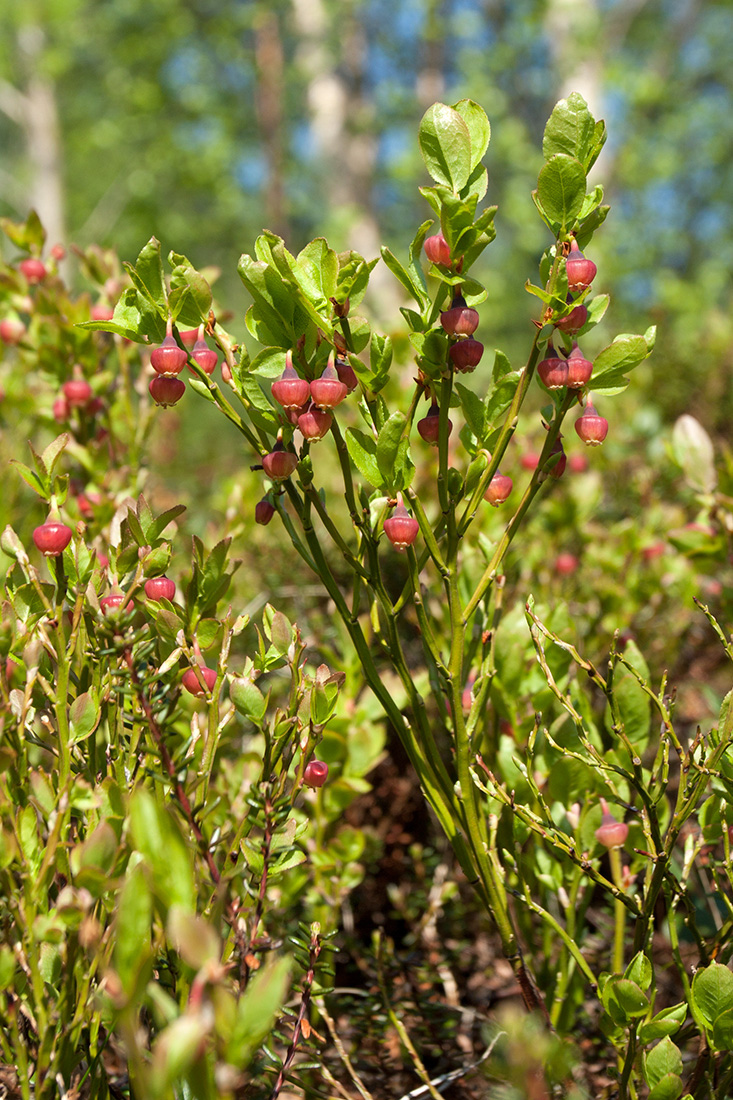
point(711, 993)
point(570, 129)
point(479, 128)
point(363, 453)
point(445, 144)
point(561, 189)
point(663, 1059)
point(248, 699)
point(84, 717)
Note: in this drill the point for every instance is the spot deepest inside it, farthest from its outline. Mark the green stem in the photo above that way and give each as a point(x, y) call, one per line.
point(619, 913)
point(515, 522)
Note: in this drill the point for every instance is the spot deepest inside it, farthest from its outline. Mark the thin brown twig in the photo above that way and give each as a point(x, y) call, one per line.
point(315, 950)
point(165, 756)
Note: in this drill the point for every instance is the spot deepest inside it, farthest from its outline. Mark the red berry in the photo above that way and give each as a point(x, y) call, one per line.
point(102, 313)
point(429, 426)
point(466, 354)
point(290, 390)
point(160, 588)
point(611, 833)
point(553, 370)
point(33, 270)
point(565, 564)
point(168, 358)
point(77, 392)
point(52, 538)
point(328, 391)
point(401, 528)
point(315, 774)
point(460, 319)
point(204, 356)
point(189, 336)
point(166, 390)
point(347, 375)
point(264, 511)
point(578, 464)
point(113, 602)
point(437, 250)
point(60, 410)
point(580, 271)
point(498, 489)
point(191, 682)
point(529, 460)
point(591, 427)
point(314, 423)
point(574, 321)
point(579, 369)
point(654, 550)
point(58, 252)
point(279, 464)
point(12, 330)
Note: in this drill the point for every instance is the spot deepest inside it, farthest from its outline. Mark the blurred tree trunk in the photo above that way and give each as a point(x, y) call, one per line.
point(342, 123)
point(33, 108)
point(430, 83)
point(269, 102)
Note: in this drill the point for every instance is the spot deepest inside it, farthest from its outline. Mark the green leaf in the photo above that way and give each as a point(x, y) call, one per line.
point(147, 275)
point(194, 938)
point(156, 834)
point(445, 144)
point(693, 452)
point(380, 358)
point(722, 1037)
point(31, 478)
point(570, 130)
point(29, 235)
point(666, 1022)
point(711, 994)
point(203, 389)
point(248, 699)
point(257, 1010)
point(84, 717)
point(633, 703)
point(393, 457)
point(269, 363)
point(415, 267)
point(479, 128)
point(97, 851)
point(404, 277)
point(190, 298)
point(317, 270)
point(474, 410)
point(155, 529)
point(131, 952)
point(639, 970)
point(615, 361)
point(668, 1087)
point(363, 453)
point(53, 452)
point(664, 1059)
point(623, 1000)
point(561, 189)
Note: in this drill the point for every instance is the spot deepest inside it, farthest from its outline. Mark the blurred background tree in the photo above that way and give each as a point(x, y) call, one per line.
point(204, 123)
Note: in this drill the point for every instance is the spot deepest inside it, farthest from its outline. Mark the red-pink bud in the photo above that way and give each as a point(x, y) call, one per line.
point(437, 250)
point(591, 427)
point(316, 773)
point(611, 833)
point(580, 271)
point(498, 489)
